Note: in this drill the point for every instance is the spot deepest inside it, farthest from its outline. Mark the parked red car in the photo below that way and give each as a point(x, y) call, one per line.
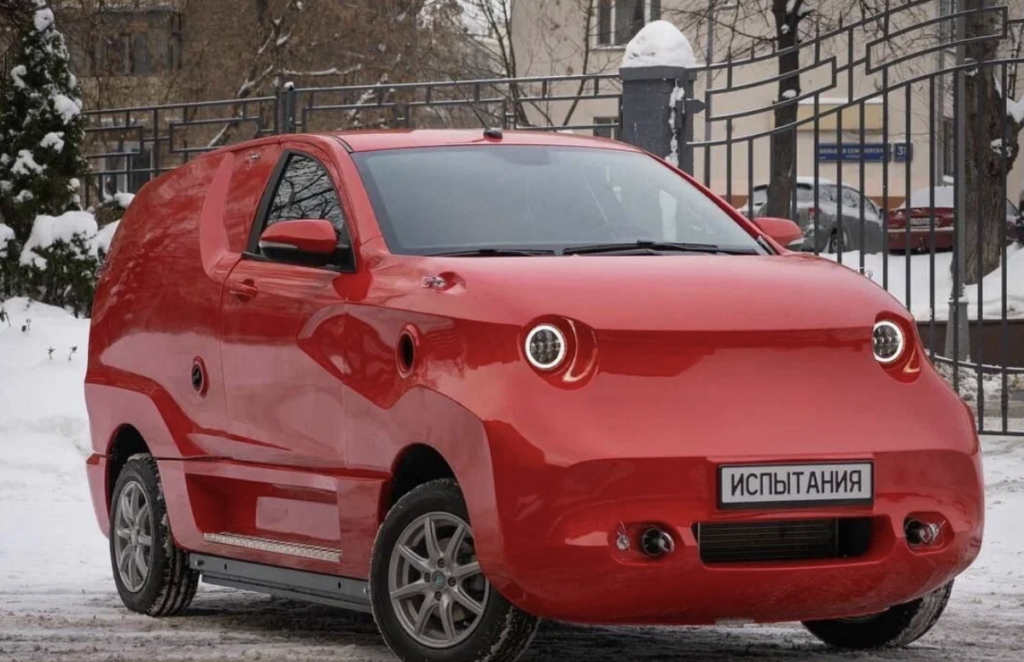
point(467, 380)
point(928, 207)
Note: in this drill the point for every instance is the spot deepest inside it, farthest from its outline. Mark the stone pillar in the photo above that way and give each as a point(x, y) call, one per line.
point(655, 113)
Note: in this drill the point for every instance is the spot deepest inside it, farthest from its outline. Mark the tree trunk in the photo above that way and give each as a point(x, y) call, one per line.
point(991, 149)
point(783, 143)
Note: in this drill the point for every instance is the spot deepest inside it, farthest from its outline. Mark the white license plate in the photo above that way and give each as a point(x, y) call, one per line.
point(795, 485)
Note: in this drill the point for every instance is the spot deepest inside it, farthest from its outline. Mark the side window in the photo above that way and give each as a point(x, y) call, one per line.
point(306, 191)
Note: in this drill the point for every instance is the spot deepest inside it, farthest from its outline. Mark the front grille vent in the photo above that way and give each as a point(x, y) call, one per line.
point(795, 540)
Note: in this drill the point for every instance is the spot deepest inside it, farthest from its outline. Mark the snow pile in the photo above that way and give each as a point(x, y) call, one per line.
point(992, 383)
point(54, 140)
point(26, 164)
point(678, 94)
point(659, 44)
point(101, 242)
point(48, 533)
point(920, 285)
point(43, 19)
point(68, 107)
point(18, 74)
point(48, 230)
point(121, 200)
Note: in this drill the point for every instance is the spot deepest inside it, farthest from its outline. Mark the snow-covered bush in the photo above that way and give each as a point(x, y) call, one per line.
point(60, 262)
point(41, 127)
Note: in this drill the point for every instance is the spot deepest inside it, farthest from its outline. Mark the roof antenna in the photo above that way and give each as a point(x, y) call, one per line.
point(494, 132)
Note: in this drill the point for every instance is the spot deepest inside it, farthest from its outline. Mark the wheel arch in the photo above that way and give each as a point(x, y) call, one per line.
point(414, 465)
point(124, 443)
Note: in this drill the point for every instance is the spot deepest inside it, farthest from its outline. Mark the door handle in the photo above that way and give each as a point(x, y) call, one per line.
point(244, 290)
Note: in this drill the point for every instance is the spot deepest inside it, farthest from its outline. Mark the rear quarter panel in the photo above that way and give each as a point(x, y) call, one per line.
point(157, 309)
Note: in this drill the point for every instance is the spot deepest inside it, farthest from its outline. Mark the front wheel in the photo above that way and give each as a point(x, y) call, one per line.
point(897, 626)
point(430, 599)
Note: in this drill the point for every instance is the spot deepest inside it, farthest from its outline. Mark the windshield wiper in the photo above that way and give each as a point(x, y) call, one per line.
point(655, 247)
point(495, 252)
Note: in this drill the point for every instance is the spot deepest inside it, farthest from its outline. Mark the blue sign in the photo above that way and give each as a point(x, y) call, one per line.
point(855, 152)
point(902, 152)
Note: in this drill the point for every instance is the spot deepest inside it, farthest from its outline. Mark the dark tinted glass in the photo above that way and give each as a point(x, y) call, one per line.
point(307, 192)
point(432, 200)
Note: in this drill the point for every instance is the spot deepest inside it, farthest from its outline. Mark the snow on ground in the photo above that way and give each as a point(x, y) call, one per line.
point(920, 281)
point(57, 598)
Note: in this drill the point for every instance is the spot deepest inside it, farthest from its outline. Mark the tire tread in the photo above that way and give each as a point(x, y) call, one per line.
point(178, 583)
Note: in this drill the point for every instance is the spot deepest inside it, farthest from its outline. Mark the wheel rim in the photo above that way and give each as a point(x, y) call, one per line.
point(436, 587)
point(133, 537)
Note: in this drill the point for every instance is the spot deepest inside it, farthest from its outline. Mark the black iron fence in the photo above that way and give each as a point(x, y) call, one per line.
point(128, 146)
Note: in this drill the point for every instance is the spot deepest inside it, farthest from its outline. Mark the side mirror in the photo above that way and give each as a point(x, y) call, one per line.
point(782, 230)
point(299, 239)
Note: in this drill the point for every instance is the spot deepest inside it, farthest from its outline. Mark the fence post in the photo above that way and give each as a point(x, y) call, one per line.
point(286, 108)
point(656, 113)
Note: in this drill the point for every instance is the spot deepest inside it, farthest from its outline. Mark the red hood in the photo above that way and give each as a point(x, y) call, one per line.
point(651, 293)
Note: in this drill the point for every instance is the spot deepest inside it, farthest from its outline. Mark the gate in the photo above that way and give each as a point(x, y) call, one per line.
point(863, 143)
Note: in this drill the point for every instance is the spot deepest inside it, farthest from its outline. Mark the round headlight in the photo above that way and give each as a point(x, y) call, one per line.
point(887, 341)
point(545, 347)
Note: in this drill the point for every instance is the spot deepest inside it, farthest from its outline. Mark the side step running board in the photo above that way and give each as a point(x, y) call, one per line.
point(275, 547)
point(283, 582)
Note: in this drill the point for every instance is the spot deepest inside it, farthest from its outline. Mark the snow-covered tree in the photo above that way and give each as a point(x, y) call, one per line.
point(41, 127)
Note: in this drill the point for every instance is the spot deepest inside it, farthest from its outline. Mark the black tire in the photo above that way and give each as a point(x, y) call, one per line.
point(833, 245)
point(901, 625)
point(503, 632)
point(169, 584)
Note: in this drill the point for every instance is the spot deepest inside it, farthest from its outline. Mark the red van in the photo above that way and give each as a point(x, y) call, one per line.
point(468, 380)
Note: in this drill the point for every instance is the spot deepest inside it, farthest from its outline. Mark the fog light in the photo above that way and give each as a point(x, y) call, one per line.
point(545, 347)
point(887, 341)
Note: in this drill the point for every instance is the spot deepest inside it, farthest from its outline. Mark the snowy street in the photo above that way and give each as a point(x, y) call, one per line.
point(58, 602)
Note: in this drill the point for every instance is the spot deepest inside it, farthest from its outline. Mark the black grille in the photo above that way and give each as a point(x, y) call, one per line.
point(796, 540)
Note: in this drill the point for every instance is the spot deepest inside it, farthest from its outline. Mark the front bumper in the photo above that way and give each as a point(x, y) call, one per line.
point(563, 562)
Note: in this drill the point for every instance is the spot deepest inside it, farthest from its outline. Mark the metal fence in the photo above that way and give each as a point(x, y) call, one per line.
point(128, 146)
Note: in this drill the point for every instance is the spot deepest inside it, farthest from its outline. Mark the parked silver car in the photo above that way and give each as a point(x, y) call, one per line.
point(818, 215)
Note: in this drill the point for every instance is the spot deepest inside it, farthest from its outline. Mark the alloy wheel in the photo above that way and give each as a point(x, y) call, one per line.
point(133, 537)
point(437, 589)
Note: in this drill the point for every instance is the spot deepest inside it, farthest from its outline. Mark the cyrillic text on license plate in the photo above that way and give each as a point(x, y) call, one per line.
point(781, 485)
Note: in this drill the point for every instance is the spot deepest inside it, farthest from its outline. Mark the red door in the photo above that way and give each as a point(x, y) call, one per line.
point(284, 404)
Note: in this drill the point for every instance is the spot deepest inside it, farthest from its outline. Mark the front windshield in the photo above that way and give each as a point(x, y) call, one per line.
point(437, 200)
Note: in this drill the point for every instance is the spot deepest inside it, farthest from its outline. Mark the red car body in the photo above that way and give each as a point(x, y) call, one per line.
point(306, 413)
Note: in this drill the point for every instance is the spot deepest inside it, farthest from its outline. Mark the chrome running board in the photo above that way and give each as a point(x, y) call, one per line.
point(275, 547)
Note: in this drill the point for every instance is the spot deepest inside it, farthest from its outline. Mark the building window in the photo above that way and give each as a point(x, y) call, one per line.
point(618, 21)
point(124, 169)
point(946, 28)
point(610, 131)
point(134, 43)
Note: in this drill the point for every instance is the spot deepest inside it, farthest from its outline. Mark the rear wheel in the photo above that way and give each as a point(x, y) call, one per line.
point(151, 573)
point(430, 599)
point(897, 626)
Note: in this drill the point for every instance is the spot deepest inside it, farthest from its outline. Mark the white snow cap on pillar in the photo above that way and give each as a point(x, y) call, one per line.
point(659, 44)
